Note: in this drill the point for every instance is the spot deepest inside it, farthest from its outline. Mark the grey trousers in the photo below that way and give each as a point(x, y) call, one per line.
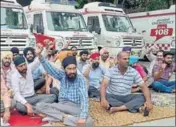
point(39, 83)
point(33, 100)
point(133, 101)
point(58, 110)
point(93, 92)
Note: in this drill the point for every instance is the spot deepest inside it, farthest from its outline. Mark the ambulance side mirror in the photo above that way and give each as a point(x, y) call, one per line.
point(31, 28)
point(40, 29)
point(98, 30)
point(89, 27)
point(134, 30)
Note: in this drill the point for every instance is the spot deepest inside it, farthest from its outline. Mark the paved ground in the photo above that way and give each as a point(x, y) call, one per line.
point(162, 122)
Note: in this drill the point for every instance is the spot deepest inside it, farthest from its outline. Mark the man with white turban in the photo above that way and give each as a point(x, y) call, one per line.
point(105, 60)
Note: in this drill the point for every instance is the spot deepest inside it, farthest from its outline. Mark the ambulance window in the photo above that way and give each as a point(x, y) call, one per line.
point(38, 21)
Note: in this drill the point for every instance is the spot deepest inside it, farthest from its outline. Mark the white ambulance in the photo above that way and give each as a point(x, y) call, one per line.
point(62, 22)
point(112, 27)
point(14, 29)
point(158, 27)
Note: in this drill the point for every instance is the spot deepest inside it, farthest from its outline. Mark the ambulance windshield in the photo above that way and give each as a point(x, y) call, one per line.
point(64, 21)
point(13, 18)
point(117, 23)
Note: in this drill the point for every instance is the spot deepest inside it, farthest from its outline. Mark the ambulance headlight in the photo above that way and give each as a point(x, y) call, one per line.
point(59, 44)
point(117, 43)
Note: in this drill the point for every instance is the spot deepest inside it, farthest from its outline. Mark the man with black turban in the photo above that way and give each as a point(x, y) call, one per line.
point(73, 95)
point(23, 86)
point(15, 51)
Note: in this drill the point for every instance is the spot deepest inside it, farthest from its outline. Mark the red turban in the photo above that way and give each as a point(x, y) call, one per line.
point(94, 55)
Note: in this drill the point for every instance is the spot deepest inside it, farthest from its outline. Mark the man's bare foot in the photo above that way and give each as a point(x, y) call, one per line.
point(113, 110)
point(42, 115)
point(141, 109)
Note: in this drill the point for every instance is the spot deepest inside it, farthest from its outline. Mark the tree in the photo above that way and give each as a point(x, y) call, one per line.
point(24, 2)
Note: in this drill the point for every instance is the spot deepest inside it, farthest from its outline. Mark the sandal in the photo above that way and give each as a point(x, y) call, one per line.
point(110, 106)
point(146, 112)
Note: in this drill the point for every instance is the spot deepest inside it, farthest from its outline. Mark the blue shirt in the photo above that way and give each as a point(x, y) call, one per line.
point(75, 91)
point(95, 75)
point(38, 72)
point(121, 84)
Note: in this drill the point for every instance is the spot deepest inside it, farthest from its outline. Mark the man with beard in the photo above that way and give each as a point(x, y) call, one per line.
point(162, 73)
point(73, 98)
point(83, 59)
point(7, 68)
point(74, 51)
point(23, 85)
point(94, 74)
point(116, 88)
point(41, 78)
point(6, 72)
point(105, 61)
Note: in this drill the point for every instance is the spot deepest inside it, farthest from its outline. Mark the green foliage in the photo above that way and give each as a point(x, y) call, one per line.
point(80, 3)
point(157, 4)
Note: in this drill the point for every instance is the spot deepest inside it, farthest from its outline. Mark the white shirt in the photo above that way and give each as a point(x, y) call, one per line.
point(24, 87)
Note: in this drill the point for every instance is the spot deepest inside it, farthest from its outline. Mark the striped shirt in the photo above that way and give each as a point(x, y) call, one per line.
point(75, 91)
point(121, 84)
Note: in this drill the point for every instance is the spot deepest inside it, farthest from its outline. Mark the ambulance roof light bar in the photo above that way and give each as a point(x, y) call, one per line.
point(102, 6)
point(52, 1)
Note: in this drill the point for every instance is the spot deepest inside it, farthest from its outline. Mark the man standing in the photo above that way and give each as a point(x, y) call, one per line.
point(94, 73)
point(116, 88)
point(83, 59)
point(162, 73)
point(23, 86)
point(73, 98)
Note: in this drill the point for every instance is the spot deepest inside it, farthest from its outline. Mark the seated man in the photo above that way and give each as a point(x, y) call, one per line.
point(133, 62)
point(105, 60)
point(94, 74)
point(162, 72)
point(116, 88)
point(73, 98)
point(83, 59)
point(42, 81)
point(15, 51)
point(23, 86)
point(5, 103)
